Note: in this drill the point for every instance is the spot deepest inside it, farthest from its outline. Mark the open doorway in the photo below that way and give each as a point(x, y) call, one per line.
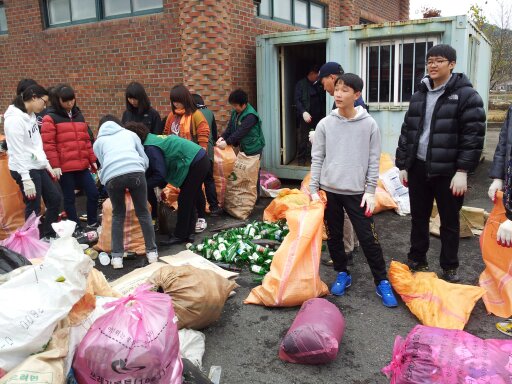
point(294, 63)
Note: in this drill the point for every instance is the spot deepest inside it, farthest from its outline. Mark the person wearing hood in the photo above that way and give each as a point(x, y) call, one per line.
point(441, 141)
point(123, 166)
point(349, 179)
point(186, 166)
point(28, 164)
point(67, 144)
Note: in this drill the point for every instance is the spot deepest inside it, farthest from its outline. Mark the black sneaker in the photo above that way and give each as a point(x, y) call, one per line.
point(217, 211)
point(416, 266)
point(92, 227)
point(450, 275)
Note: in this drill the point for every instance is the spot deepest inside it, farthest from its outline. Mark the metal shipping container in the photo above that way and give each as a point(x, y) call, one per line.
point(389, 57)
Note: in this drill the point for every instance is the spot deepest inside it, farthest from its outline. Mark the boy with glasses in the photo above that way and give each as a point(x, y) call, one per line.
point(441, 141)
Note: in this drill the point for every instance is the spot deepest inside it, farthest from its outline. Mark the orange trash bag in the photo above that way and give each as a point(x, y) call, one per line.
point(433, 301)
point(133, 238)
point(497, 277)
point(12, 207)
point(304, 187)
point(223, 164)
point(383, 201)
point(170, 196)
point(286, 199)
point(293, 276)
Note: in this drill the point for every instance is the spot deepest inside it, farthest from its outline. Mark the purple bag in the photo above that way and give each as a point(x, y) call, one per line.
point(137, 342)
point(445, 356)
point(25, 240)
point(315, 334)
point(269, 180)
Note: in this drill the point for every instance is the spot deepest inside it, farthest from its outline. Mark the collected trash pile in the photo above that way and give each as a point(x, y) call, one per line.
point(243, 245)
point(62, 322)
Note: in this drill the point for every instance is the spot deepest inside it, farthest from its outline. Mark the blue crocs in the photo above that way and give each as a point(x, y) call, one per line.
point(385, 292)
point(343, 281)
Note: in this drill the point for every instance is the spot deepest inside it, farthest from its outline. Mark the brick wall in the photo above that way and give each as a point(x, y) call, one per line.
point(208, 45)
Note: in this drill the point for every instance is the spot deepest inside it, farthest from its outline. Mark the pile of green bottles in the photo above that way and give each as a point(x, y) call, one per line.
point(235, 246)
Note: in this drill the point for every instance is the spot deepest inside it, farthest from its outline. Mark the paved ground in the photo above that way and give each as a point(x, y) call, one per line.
point(245, 340)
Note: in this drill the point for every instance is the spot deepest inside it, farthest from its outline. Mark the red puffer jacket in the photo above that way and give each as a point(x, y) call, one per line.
point(66, 141)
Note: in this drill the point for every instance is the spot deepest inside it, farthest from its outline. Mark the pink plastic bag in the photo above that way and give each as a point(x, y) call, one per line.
point(444, 356)
point(269, 180)
point(315, 334)
point(25, 240)
point(137, 341)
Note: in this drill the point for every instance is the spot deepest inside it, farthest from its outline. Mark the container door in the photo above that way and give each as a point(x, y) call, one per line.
point(288, 135)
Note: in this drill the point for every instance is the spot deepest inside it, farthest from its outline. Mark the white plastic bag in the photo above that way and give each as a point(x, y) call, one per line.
point(192, 346)
point(397, 190)
point(34, 301)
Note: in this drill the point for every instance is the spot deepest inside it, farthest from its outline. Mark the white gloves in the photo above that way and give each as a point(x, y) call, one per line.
point(496, 185)
point(315, 197)
point(51, 172)
point(57, 173)
point(369, 201)
point(404, 178)
point(158, 193)
point(307, 117)
point(221, 143)
point(459, 184)
point(29, 189)
point(311, 136)
point(504, 235)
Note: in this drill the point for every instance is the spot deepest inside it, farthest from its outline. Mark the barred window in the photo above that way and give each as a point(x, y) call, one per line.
point(393, 69)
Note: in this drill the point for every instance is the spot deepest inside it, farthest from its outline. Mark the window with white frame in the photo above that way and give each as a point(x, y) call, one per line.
point(305, 13)
point(3, 19)
point(65, 12)
point(392, 69)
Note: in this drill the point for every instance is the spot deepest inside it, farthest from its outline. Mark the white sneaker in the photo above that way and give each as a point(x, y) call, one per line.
point(152, 257)
point(201, 225)
point(117, 262)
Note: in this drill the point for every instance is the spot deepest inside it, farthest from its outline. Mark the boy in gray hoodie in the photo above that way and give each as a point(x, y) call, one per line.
point(345, 164)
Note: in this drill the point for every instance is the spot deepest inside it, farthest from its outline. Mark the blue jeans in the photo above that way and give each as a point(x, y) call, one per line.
point(136, 185)
point(69, 181)
point(48, 190)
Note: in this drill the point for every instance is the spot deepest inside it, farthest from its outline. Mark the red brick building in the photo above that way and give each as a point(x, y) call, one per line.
point(98, 46)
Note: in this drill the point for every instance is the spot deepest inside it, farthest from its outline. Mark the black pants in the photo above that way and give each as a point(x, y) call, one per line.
point(365, 231)
point(209, 188)
point(422, 192)
point(303, 144)
point(69, 181)
point(154, 203)
point(49, 191)
point(190, 191)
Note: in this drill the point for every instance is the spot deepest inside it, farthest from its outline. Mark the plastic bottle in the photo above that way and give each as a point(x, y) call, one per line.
point(104, 258)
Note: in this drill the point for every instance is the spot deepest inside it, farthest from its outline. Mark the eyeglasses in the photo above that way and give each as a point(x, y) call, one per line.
point(435, 62)
point(44, 101)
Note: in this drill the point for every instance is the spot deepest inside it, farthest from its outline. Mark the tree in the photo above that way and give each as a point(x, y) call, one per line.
point(501, 40)
point(429, 12)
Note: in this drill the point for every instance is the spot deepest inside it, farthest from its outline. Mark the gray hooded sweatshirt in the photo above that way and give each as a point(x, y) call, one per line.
point(345, 154)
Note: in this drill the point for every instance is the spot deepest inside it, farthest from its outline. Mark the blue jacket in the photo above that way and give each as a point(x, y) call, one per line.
point(155, 175)
point(119, 152)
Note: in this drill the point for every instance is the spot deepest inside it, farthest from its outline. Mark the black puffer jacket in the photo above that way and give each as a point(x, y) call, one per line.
point(502, 153)
point(456, 133)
